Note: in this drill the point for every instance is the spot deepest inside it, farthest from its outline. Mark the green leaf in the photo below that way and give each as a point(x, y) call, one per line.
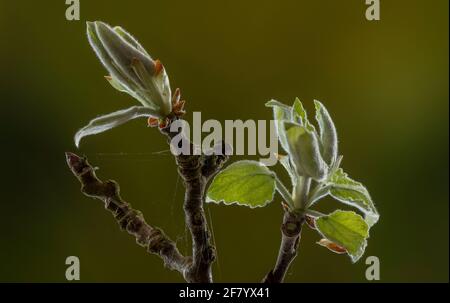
point(285, 194)
point(116, 84)
point(106, 122)
point(122, 53)
point(347, 229)
point(353, 193)
point(286, 163)
point(130, 39)
point(104, 57)
point(246, 183)
point(305, 152)
point(300, 116)
point(328, 134)
point(281, 113)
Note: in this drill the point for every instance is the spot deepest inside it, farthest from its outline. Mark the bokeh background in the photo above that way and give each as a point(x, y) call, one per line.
point(385, 83)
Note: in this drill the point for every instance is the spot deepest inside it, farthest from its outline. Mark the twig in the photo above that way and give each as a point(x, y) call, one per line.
point(290, 238)
point(196, 171)
point(128, 218)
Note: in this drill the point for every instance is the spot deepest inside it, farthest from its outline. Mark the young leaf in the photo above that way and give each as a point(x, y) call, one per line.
point(117, 85)
point(353, 193)
point(131, 68)
point(122, 53)
point(285, 194)
point(106, 122)
point(286, 163)
point(328, 134)
point(304, 151)
point(130, 39)
point(347, 229)
point(281, 113)
point(246, 183)
point(300, 116)
point(102, 54)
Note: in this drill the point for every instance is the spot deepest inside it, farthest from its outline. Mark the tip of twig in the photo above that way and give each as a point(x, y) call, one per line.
point(72, 159)
point(75, 162)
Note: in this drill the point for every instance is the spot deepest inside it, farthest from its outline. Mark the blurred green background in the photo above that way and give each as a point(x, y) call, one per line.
point(385, 83)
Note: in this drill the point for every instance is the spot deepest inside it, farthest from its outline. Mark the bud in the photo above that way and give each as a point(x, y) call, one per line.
point(328, 134)
point(304, 151)
point(131, 68)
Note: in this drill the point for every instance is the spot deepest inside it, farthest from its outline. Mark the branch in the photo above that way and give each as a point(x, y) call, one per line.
point(290, 239)
point(128, 218)
point(196, 171)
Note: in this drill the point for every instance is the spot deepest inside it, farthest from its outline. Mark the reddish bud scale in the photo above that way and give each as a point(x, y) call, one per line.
point(164, 122)
point(158, 67)
point(152, 122)
point(332, 246)
point(176, 96)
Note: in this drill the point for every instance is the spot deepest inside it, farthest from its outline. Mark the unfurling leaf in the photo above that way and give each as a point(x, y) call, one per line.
point(332, 246)
point(286, 163)
point(300, 116)
point(347, 229)
point(106, 122)
point(246, 183)
point(116, 84)
point(353, 193)
point(328, 134)
point(285, 194)
point(281, 113)
point(130, 39)
point(305, 152)
point(131, 68)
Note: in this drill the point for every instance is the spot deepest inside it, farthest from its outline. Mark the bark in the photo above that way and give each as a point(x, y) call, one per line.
point(196, 171)
point(290, 238)
point(128, 218)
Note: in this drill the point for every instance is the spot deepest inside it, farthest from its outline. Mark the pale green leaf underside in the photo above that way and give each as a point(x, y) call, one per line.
point(246, 183)
point(130, 39)
point(281, 113)
point(286, 163)
point(106, 122)
point(130, 67)
point(304, 151)
point(347, 229)
point(353, 193)
point(300, 116)
point(117, 85)
point(328, 134)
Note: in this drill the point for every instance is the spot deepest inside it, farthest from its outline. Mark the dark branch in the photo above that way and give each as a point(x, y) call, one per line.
point(196, 171)
point(290, 238)
point(129, 219)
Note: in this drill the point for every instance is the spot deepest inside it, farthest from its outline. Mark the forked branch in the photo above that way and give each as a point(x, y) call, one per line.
point(128, 218)
point(196, 171)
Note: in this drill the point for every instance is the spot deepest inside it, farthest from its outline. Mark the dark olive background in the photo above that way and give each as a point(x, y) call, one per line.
point(385, 83)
